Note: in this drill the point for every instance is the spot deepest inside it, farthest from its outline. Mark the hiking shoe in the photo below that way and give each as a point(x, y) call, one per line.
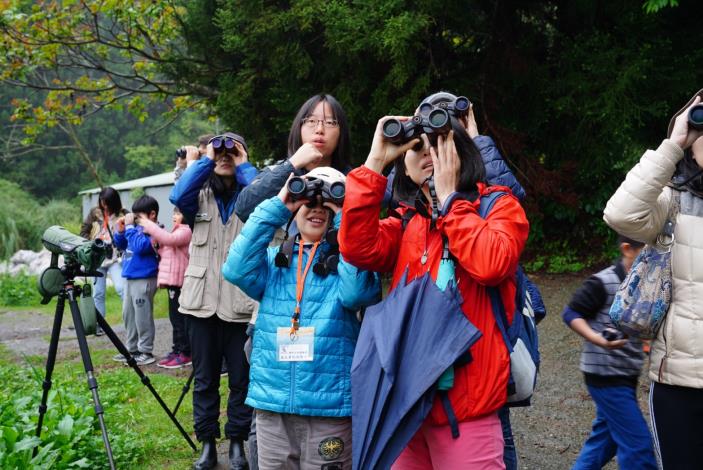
point(169, 357)
point(179, 361)
point(144, 358)
point(99, 331)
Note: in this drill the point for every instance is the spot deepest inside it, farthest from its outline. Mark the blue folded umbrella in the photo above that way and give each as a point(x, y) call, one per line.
point(405, 344)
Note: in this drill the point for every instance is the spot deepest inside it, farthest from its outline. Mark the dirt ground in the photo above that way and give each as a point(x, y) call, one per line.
point(548, 435)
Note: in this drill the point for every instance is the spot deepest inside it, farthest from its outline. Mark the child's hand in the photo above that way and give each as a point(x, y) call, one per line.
point(119, 224)
point(331, 205)
point(284, 196)
point(604, 343)
point(129, 219)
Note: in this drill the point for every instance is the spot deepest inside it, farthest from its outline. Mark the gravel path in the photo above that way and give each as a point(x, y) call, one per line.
point(549, 434)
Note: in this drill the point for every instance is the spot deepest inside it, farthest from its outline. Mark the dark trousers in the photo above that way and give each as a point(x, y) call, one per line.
point(212, 339)
point(677, 417)
point(509, 451)
point(181, 344)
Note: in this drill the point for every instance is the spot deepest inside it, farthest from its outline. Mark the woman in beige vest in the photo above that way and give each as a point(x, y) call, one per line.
point(638, 210)
point(217, 312)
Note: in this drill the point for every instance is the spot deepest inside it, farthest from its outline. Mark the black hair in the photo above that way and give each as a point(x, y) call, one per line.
point(111, 198)
point(633, 243)
point(204, 139)
point(342, 153)
point(471, 172)
point(688, 175)
point(145, 204)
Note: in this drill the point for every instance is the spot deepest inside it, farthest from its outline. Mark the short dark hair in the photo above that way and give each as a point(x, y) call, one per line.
point(341, 154)
point(111, 198)
point(205, 139)
point(472, 168)
point(145, 204)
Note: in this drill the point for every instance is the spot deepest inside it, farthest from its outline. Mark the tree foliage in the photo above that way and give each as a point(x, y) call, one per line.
point(572, 91)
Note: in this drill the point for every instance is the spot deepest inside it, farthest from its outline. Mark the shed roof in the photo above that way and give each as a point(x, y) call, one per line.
point(163, 179)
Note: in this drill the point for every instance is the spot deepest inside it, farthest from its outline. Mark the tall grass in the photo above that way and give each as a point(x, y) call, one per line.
point(23, 218)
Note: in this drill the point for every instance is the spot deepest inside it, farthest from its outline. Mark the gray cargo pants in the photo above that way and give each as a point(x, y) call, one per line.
point(291, 442)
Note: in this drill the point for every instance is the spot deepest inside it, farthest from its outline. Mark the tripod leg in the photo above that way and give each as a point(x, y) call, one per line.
point(145, 380)
point(88, 365)
point(186, 387)
point(50, 361)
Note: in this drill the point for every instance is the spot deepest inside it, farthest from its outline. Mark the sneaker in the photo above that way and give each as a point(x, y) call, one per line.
point(179, 361)
point(144, 358)
point(169, 357)
point(99, 331)
point(121, 358)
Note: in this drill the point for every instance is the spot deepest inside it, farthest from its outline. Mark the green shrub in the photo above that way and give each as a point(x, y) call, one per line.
point(23, 219)
point(19, 290)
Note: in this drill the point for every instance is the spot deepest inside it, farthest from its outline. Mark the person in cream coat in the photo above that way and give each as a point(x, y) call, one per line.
point(639, 209)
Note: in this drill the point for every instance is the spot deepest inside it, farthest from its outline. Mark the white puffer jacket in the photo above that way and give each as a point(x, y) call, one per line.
point(638, 210)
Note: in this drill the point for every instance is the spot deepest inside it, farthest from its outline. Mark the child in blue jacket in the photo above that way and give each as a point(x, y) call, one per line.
point(306, 329)
point(140, 267)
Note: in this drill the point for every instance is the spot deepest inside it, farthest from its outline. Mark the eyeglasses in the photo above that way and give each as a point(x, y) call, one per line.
point(312, 123)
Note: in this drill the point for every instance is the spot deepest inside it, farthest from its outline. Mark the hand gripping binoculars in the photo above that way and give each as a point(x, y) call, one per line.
point(310, 187)
point(430, 119)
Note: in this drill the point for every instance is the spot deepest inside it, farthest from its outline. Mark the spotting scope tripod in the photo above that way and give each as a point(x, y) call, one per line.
point(71, 291)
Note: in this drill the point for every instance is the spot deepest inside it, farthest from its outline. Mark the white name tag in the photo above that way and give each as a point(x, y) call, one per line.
point(298, 347)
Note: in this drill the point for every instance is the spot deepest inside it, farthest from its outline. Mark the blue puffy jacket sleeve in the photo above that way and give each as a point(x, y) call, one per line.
point(357, 288)
point(497, 171)
point(266, 185)
point(247, 263)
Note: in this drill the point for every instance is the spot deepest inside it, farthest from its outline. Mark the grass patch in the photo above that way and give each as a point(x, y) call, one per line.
point(141, 434)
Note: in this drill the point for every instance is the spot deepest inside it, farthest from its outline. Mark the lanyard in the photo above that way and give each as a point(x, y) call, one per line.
point(300, 284)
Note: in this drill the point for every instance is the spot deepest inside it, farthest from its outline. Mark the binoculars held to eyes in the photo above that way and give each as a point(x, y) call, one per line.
point(695, 117)
point(311, 187)
point(221, 143)
point(181, 153)
point(430, 119)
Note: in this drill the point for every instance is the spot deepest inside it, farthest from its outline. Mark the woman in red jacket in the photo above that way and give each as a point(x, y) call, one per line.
point(486, 253)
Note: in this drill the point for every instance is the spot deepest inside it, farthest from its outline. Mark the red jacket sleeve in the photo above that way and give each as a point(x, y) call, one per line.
point(365, 241)
point(488, 249)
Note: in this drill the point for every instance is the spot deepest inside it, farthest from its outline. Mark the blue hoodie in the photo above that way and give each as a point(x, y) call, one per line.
point(140, 258)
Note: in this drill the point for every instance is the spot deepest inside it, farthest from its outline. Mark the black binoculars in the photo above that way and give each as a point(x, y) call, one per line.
point(181, 153)
point(430, 119)
point(309, 188)
point(223, 142)
point(695, 117)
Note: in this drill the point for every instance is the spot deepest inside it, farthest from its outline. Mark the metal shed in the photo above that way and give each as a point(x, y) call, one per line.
point(157, 186)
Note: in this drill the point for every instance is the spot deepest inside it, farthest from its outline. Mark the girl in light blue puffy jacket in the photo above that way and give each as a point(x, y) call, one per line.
point(306, 329)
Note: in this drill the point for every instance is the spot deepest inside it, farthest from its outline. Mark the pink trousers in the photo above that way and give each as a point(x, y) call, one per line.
point(479, 447)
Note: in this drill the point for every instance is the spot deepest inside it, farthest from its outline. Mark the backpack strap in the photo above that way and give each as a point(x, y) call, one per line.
point(488, 201)
point(485, 205)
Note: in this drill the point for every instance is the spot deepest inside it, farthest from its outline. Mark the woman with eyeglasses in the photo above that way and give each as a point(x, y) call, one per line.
point(319, 136)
